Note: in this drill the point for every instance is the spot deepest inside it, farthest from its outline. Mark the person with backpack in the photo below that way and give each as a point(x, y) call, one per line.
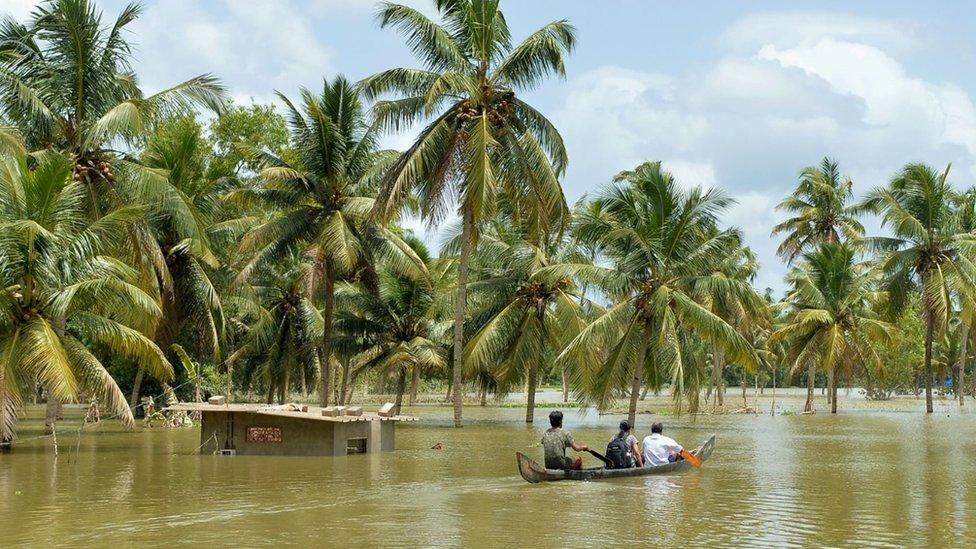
point(623, 451)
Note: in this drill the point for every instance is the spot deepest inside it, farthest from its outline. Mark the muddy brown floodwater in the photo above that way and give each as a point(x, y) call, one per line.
point(861, 477)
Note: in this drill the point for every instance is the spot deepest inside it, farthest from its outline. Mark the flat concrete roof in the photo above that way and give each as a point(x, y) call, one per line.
point(314, 412)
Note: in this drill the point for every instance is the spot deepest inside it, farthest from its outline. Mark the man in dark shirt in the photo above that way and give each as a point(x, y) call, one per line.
point(555, 441)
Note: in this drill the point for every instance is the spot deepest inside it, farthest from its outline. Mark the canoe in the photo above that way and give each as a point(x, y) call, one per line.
point(533, 472)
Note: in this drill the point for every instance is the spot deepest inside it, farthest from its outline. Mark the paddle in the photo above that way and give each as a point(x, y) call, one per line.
point(602, 458)
point(691, 458)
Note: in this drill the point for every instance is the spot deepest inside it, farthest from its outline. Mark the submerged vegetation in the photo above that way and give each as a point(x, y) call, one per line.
point(263, 248)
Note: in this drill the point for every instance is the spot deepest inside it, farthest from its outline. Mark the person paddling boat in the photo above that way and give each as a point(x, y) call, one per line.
point(555, 441)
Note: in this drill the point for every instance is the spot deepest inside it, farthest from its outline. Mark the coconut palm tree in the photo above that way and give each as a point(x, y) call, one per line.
point(180, 218)
point(734, 275)
point(66, 82)
point(401, 329)
point(663, 246)
point(526, 313)
point(966, 211)
point(574, 250)
point(927, 253)
point(323, 198)
point(482, 141)
point(280, 347)
point(65, 301)
point(831, 323)
point(820, 210)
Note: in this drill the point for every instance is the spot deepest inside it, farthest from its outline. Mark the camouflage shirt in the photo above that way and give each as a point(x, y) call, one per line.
point(555, 442)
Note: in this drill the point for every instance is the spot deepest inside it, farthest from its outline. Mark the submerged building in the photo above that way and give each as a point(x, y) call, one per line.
point(292, 430)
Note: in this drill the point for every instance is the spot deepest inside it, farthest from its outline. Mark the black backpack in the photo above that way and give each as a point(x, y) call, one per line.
point(617, 453)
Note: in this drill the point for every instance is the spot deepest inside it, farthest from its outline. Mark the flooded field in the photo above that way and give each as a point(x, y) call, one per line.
point(865, 476)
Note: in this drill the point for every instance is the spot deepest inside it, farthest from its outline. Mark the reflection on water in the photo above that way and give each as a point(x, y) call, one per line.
point(858, 478)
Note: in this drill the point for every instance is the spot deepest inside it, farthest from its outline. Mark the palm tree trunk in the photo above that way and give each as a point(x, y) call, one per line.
point(963, 351)
point(929, 335)
point(230, 381)
point(635, 385)
point(401, 388)
point(414, 384)
point(136, 387)
point(833, 393)
point(484, 396)
point(718, 368)
point(337, 378)
point(286, 386)
point(811, 375)
point(460, 309)
point(565, 384)
point(7, 416)
point(530, 392)
point(830, 386)
point(344, 389)
point(325, 364)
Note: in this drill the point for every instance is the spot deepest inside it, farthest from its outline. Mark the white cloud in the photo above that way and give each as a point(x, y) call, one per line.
point(17, 9)
point(795, 28)
point(894, 100)
point(365, 7)
point(690, 174)
point(774, 101)
point(255, 47)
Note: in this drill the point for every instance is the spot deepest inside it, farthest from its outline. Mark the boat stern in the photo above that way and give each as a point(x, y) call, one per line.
point(530, 470)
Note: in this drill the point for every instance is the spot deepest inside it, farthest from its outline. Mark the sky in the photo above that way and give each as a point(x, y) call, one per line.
point(736, 95)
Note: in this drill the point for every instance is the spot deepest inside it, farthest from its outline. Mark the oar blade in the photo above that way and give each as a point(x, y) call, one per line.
point(691, 458)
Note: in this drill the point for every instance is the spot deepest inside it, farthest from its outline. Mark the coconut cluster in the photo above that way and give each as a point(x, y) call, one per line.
point(87, 171)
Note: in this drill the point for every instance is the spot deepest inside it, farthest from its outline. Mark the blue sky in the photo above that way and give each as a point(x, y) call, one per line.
point(739, 95)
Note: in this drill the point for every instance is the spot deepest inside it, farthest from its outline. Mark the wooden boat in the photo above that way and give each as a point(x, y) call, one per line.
point(533, 472)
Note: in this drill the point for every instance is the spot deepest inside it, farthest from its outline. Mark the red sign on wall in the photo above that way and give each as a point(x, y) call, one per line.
point(264, 434)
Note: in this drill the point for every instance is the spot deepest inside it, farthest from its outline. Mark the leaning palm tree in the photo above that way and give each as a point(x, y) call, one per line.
point(181, 215)
point(526, 312)
point(820, 210)
point(322, 200)
point(662, 244)
point(400, 329)
point(64, 300)
point(831, 324)
point(482, 142)
point(927, 253)
point(66, 82)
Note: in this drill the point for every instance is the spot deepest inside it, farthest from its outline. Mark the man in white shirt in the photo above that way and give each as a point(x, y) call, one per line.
point(658, 449)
